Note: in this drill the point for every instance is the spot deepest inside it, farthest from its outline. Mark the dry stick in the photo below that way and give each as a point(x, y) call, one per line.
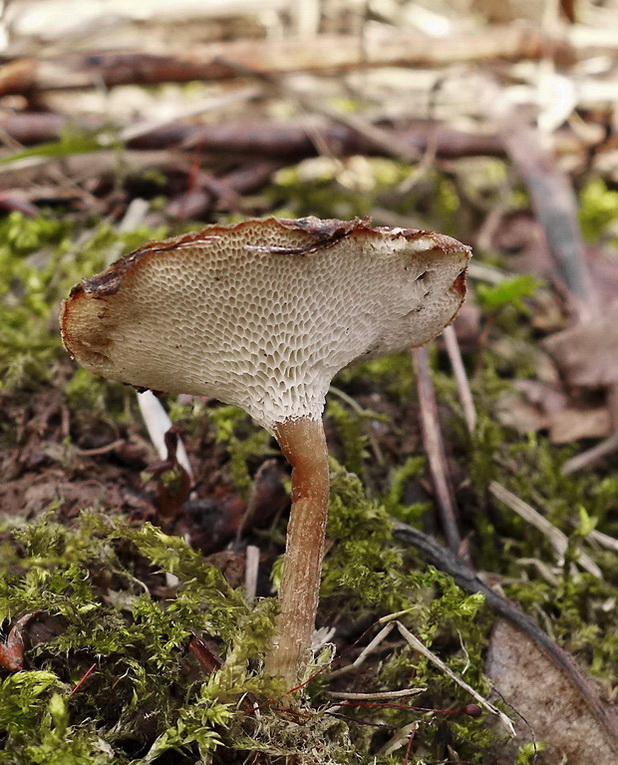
point(604, 540)
point(446, 561)
point(141, 129)
point(419, 646)
point(326, 53)
point(433, 444)
point(304, 445)
point(555, 205)
point(461, 378)
point(366, 652)
point(558, 539)
point(263, 138)
point(591, 456)
point(252, 566)
point(385, 142)
point(25, 172)
point(376, 696)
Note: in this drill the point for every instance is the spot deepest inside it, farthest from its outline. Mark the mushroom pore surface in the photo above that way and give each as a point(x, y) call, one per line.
point(262, 314)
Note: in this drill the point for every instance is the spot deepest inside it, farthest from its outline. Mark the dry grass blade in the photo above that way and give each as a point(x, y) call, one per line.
point(487, 705)
point(377, 696)
point(558, 539)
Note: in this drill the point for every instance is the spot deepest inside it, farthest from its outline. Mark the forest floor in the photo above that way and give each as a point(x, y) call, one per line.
point(468, 604)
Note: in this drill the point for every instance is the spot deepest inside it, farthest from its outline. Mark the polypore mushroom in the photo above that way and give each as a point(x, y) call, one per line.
point(262, 314)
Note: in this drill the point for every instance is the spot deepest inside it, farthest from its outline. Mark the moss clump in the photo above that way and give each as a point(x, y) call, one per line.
point(101, 588)
point(114, 681)
point(598, 210)
point(245, 443)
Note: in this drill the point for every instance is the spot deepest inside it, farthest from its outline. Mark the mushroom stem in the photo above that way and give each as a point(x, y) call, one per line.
point(304, 445)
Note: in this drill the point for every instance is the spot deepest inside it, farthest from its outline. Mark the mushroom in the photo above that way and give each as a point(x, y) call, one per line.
point(262, 314)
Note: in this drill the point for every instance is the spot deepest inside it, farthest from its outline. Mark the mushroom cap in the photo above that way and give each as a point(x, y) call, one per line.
point(262, 314)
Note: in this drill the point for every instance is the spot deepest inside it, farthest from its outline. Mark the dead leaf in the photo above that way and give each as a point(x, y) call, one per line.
point(576, 728)
point(12, 651)
point(571, 424)
point(531, 406)
point(515, 412)
point(587, 353)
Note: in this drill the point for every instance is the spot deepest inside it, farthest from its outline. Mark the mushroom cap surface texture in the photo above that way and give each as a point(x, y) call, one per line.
point(263, 313)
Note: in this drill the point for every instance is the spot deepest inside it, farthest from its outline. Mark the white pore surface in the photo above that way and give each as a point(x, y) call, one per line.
point(231, 318)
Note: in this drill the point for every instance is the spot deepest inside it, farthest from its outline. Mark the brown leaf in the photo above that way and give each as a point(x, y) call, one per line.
point(587, 353)
point(576, 727)
point(12, 651)
point(515, 411)
point(571, 424)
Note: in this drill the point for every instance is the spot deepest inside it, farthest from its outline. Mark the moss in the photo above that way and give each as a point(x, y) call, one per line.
point(391, 374)
point(245, 442)
point(336, 188)
point(98, 397)
point(97, 582)
point(103, 582)
point(349, 429)
point(598, 208)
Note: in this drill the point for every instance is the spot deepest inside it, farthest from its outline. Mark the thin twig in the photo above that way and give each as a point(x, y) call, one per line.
point(366, 652)
point(461, 378)
point(433, 444)
point(376, 696)
point(101, 449)
point(559, 540)
point(252, 565)
point(592, 456)
point(422, 648)
point(202, 107)
point(604, 540)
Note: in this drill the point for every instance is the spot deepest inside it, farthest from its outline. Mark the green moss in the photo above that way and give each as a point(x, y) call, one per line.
point(349, 429)
point(336, 188)
point(98, 397)
point(511, 292)
point(598, 208)
point(413, 467)
point(392, 374)
point(96, 581)
point(245, 442)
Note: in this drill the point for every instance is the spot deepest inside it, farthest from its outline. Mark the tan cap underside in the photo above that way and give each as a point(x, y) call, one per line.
point(263, 314)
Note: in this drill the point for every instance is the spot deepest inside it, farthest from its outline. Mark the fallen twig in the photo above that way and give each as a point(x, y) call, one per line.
point(324, 53)
point(592, 456)
point(461, 378)
point(422, 648)
point(446, 561)
point(433, 444)
point(377, 695)
point(558, 540)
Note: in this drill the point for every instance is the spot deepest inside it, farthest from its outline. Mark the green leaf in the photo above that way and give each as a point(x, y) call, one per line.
point(509, 292)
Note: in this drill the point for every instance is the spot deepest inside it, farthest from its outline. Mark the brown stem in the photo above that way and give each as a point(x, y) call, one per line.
point(304, 445)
